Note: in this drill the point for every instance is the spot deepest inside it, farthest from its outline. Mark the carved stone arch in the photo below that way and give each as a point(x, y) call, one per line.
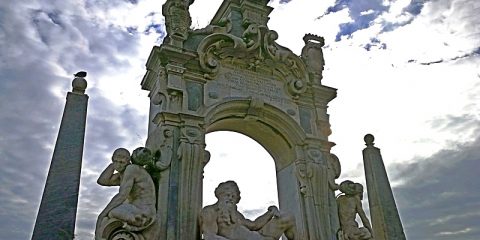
point(277, 132)
point(281, 137)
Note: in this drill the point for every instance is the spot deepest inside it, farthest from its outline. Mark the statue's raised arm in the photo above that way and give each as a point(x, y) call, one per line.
point(108, 177)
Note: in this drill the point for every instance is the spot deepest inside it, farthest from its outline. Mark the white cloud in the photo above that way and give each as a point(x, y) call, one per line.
point(414, 110)
point(466, 230)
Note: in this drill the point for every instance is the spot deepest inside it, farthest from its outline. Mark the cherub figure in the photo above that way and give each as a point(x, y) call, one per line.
point(134, 204)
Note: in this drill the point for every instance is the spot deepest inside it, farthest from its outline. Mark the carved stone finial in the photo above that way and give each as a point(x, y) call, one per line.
point(79, 84)
point(314, 38)
point(177, 20)
point(312, 54)
point(369, 138)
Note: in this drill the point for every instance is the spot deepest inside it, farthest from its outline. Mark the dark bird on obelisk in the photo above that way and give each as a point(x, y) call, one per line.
point(80, 74)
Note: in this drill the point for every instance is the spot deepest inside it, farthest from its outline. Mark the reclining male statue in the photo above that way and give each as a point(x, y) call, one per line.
point(222, 220)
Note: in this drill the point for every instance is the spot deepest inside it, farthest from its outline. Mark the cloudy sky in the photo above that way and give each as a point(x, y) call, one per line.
point(406, 71)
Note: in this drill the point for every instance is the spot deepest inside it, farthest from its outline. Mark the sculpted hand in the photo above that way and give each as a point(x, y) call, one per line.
point(274, 210)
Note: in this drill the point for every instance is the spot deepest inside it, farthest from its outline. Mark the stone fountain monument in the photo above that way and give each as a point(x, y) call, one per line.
point(233, 75)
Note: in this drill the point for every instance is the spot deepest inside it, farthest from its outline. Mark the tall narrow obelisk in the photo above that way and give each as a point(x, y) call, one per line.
point(386, 222)
point(58, 209)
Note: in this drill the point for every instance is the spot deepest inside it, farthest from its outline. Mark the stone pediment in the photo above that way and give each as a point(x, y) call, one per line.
point(238, 37)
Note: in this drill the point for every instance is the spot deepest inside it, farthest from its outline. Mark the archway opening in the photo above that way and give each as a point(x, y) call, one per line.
point(237, 157)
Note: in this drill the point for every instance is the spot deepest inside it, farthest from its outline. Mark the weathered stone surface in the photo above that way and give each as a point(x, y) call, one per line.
point(238, 83)
point(177, 21)
point(383, 210)
point(312, 54)
point(58, 208)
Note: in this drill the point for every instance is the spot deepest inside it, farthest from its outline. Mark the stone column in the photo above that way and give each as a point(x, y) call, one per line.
point(58, 208)
point(386, 222)
point(192, 159)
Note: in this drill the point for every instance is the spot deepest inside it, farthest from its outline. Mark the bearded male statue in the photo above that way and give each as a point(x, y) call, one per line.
point(222, 220)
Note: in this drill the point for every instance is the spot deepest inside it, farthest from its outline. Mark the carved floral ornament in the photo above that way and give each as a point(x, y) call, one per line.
point(258, 48)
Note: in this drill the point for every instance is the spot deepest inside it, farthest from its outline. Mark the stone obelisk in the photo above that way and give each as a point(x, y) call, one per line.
point(386, 222)
point(58, 208)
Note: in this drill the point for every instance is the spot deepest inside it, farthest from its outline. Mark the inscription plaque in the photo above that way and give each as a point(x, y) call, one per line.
point(241, 83)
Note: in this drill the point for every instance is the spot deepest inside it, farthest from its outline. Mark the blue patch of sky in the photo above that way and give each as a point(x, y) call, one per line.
point(375, 42)
point(154, 27)
point(339, 5)
point(55, 17)
point(388, 26)
point(347, 29)
point(132, 30)
point(368, 46)
point(285, 1)
point(151, 14)
point(362, 13)
point(413, 9)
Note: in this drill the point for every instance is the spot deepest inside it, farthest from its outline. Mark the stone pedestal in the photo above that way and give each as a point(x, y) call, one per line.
point(386, 222)
point(58, 208)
